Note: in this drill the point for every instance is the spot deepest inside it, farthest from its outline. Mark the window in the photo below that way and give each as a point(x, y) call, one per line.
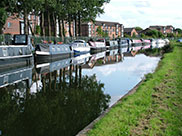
point(9, 24)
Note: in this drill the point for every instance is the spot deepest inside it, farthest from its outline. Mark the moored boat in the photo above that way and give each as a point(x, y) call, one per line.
point(17, 54)
point(136, 42)
point(146, 41)
point(167, 41)
point(112, 44)
point(49, 52)
point(80, 47)
point(98, 45)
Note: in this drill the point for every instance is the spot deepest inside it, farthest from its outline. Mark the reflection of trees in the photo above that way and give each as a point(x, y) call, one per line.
point(64, 106)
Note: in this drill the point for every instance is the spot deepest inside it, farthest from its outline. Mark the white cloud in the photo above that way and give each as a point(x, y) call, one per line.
point(143, 12)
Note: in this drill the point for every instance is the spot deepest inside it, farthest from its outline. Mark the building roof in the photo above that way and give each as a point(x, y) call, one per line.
point(107, 23)
point(156, 26)
point(127, 30)
point(168, 26)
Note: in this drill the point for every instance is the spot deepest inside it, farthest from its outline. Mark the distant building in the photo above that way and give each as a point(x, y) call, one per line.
point(15, 25)
point(130, 31)
point(163, 29)
point(113, 29)
point(145, 30)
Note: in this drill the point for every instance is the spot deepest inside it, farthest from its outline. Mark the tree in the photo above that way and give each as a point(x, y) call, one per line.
point(3, 17)
point(101, 33)
point(178, 30)
point(142, 35)
point(6, 7)
point(138, 28)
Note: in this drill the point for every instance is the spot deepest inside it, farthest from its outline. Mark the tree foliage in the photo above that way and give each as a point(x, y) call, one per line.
point(154, 34)
point(101, 33)
point(51, 10)
point(138, 28)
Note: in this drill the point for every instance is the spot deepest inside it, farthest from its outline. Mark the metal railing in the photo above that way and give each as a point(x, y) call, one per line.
point(7, 39)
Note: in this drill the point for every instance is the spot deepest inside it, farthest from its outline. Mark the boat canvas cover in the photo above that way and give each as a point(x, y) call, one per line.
point(54, 49)
point(43, 47)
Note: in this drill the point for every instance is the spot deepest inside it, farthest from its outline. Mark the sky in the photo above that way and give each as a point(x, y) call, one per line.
point(143, 13)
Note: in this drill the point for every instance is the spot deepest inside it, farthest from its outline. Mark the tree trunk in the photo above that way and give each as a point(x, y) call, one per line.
point(25, 21)
point(63, 28)
point(49, 23)
point(75, 26)
point(42, 25)
point(55, 25)
point(30, 28)
point(60, 28)
point(79, 24)
point(69, 20)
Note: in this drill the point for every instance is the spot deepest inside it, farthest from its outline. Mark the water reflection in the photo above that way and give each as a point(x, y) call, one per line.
point(64, 96)
point(59, 106)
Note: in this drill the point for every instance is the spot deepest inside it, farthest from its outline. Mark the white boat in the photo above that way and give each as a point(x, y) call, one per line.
point(112, 44)
point(98, 45)
point(80, 47)
point(160, 41)
point(167, 41)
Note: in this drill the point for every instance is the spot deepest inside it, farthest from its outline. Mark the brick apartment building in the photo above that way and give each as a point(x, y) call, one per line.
point(15, 25)
point(113, 29)
point(130, 31)
point(163, 29)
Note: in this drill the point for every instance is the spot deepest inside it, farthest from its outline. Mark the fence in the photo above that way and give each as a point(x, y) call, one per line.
point(7, 39)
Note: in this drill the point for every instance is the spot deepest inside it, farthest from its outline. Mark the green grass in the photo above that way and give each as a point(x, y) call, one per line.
point(154, 109)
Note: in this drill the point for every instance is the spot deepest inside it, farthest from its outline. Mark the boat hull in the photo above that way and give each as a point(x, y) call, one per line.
point(13, 62)
point(43, 58)
point(97, 49)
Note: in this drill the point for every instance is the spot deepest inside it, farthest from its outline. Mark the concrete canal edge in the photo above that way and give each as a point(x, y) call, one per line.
point(90, 126)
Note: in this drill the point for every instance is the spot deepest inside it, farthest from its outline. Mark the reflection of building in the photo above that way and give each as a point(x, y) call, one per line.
point(113, 29)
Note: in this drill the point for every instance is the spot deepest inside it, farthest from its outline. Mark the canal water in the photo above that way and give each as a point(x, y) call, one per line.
point(64, 96)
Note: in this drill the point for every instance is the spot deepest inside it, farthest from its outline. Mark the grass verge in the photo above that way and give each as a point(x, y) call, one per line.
point(154, 109)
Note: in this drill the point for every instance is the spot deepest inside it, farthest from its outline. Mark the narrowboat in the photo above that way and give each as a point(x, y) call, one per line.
point(112, 44)
point(98, 45)
point(136, 42)
point(124, 42)
point(153, 43)
point(146, 41)
point(50, 52)
point(80, 47)
point(17, 54)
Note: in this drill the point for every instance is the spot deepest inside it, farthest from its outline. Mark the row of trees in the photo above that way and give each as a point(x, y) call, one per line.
point(156, 33)
point(52, 11)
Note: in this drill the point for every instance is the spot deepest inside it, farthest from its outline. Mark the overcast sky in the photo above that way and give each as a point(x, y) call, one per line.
point(144, 13)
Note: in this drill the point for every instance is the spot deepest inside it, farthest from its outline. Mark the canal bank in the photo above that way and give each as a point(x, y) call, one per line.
point(155, 108)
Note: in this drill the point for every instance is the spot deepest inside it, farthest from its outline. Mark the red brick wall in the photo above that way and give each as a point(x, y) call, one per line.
point(15, 26)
